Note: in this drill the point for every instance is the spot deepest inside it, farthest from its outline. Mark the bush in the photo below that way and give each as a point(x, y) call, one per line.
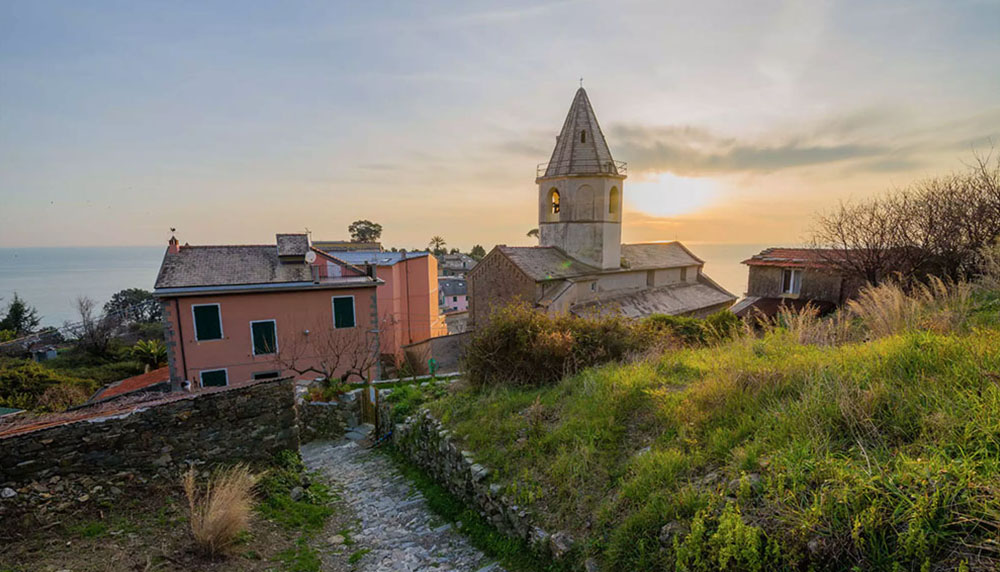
point(220, 513)
point(23, 383)
point(521, 346)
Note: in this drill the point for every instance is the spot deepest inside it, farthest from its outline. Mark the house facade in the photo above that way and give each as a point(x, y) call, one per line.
point(794, 278)
point(407, 295)
point(453, 295)
point(581, 266)
point(457, 264)
point(234, 314)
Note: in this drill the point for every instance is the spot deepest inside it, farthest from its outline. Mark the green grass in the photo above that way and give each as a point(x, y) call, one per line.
point(301, 558)
point(513, 554)
point(310, 512)
point(357, 555)
point(880, 455)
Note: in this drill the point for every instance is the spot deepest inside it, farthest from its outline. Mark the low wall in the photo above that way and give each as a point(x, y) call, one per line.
point(157, 439)
point(321, 420)
point(447, 351)
point(426, 443)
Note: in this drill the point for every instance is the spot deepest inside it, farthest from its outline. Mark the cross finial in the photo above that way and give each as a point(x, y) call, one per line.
point(581, 81)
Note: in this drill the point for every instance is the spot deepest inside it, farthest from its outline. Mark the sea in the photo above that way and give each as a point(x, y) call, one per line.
point(51, 278)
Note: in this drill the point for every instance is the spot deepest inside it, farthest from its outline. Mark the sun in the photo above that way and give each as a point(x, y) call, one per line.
point(666, 194)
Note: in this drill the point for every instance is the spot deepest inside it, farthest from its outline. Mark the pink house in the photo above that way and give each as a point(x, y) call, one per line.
point(407, 296)
point(238, 313)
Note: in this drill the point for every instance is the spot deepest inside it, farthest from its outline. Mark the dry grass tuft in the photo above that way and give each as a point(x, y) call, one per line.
point(223, 510)
point(808, 327)
point(937, 306)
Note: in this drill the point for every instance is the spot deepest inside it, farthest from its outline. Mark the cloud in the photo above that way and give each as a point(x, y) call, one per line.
point(696, 151)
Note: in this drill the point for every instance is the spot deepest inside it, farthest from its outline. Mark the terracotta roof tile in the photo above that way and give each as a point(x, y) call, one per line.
point(133, 384)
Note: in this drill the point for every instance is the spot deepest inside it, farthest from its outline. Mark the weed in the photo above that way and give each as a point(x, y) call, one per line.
point(222, 511)
point(300, 558)
point(357, 555)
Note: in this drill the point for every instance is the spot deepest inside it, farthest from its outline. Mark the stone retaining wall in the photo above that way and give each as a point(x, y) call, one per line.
point(159, 439)
point(426, 443)
point(319, 420)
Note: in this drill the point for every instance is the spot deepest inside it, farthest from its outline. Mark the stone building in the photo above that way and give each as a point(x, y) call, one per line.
point(793, 278)
point(581, 266)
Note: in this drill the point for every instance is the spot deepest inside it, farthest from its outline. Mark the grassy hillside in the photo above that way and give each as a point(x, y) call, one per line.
point(764, 452)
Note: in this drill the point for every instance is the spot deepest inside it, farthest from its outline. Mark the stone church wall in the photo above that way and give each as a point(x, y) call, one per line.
point(496, 282)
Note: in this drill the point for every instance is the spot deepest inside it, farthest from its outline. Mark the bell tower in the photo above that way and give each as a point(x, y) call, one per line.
point(580, 191)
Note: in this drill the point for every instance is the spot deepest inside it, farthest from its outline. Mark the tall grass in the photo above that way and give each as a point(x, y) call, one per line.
point(869, 440)
point(220, 512)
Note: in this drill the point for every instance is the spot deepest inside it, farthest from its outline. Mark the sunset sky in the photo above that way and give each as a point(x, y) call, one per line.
point(236, 120)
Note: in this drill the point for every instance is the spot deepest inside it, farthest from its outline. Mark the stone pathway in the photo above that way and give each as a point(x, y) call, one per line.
point(393, 522)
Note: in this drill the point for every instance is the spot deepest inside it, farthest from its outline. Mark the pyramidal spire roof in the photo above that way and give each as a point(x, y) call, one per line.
point(581, 148)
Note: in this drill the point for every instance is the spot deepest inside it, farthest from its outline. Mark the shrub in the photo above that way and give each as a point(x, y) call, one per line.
point(220, 513)
point(520, 346)
point(23, 383)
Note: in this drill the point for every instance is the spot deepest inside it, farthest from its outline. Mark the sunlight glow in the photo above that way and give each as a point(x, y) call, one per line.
point(666, 194)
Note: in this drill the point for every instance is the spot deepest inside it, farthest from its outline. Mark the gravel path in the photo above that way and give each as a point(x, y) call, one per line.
point(393, 522)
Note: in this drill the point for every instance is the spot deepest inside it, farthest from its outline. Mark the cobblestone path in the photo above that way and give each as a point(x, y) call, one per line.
point(393, 529)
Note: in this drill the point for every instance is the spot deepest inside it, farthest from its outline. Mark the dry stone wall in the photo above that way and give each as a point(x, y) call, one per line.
point(160, 440)
point(329, 420)
point(426, 443)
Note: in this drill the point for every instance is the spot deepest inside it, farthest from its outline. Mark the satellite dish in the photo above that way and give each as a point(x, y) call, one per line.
point(310, 257)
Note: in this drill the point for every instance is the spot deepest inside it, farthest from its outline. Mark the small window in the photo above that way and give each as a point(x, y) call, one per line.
point(214, 378)
point(343, 311)
point(684, 274)
point(266, 375)
point(593, 286)
point(454, 298)
point(791, 281)
point(614, 200)
point(555, 201)
point(583, 137)
point(265, 337)
point(207, 322)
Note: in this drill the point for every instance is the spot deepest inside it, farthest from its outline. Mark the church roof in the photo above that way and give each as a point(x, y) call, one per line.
point(550, 263)
point(674, 300)
point(658, 255)
point(546, 262)
point(581, 148)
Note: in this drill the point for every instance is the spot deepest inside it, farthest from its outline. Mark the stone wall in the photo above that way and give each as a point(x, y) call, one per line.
point(318, 420)
point(157, 439)
point(494, 283)
point(817, 284)
point(426, 443)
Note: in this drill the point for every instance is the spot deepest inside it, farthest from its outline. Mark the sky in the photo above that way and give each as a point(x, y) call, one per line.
point(233, 121)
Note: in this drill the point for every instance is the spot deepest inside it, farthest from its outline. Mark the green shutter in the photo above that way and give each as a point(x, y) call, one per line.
point(214, 378)
point(343, 312)
point(207, 323)
point(265, 339)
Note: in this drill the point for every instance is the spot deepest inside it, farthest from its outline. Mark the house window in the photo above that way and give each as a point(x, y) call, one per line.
point(684, 274)
point(266, 375)
point(454, 298)
point(343, 311)
point(264, 334)
point(583, 137)
point(207, 322)
point(791, 281)
point(214, 378)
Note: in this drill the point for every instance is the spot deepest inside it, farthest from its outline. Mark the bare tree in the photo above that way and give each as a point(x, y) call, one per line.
point(95, 331)
point(344, 354)
point(938, 226)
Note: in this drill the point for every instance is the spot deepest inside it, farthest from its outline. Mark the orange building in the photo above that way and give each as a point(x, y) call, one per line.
point(407, 298)
point(238, 313)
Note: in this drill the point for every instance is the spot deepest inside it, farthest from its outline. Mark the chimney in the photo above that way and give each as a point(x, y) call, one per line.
point(173, 245)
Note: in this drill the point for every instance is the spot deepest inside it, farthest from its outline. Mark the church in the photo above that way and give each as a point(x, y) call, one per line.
point(581, 265)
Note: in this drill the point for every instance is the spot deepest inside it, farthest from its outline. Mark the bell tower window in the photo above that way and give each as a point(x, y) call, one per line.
point(614, 201)
point(554, 205)
point(583, 137)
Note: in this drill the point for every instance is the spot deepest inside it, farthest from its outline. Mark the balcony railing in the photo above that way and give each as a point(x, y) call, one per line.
point(582, 168)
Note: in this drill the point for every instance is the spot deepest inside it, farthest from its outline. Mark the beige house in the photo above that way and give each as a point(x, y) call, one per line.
point(581, 266)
